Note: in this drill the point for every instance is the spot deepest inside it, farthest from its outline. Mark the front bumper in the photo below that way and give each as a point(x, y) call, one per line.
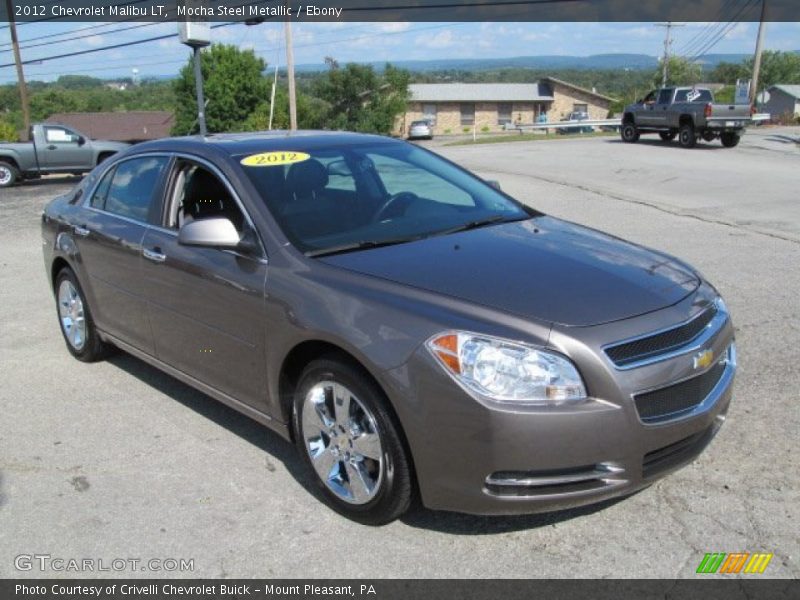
point(475, 456)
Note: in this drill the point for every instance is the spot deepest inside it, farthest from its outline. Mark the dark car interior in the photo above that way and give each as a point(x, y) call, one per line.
point(199, 194)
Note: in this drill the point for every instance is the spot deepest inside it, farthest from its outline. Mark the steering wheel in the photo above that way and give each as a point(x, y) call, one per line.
point(393, 201)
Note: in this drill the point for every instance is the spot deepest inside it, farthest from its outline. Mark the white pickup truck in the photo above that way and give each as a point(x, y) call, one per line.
point(53, 148)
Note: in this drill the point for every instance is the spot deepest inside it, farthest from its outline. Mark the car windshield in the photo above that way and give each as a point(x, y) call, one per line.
point(359, 196)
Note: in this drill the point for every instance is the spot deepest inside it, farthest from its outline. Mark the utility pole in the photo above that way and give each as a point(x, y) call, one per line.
point(272, 98)
point(667, 44)
point(23, 90)
point(290, 71)
point(757, 57)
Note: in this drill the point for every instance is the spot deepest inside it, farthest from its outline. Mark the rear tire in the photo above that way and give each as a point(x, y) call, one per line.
point(342, 420)
point(9, 174)
point(75, 319)
point(730, 139)
point(687, 136)
point(629, 133)
point(667, 136)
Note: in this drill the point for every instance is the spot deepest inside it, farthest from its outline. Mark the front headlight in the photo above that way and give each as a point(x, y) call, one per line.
point(507, 371)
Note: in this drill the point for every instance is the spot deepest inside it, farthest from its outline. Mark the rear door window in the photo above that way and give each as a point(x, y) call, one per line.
point(133, 187)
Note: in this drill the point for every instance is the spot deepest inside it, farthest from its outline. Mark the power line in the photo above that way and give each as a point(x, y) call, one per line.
point(738, 18)
point(697, 38)
point(81, 37)
point(262, 50)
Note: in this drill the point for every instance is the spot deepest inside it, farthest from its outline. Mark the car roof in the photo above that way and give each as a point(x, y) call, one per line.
point(235, 144)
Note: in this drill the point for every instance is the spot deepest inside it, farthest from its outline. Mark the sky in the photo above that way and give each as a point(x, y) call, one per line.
point(366, 42)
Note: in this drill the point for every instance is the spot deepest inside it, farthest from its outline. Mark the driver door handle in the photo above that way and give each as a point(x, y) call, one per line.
point(154, 255)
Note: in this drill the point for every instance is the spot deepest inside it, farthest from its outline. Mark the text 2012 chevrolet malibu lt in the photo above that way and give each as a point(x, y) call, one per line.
point(413, 329)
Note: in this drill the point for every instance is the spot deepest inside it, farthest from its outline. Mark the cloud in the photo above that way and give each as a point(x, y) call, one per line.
point(95, 40)
point(393, 27)
point(442, 39)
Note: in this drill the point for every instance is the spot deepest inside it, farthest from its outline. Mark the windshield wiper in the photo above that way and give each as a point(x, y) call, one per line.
point(481, 223)
point(362, 245)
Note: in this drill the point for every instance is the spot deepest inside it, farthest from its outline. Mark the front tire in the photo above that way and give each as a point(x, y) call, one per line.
point(350, 442)
point(687, 136)
point(75, 319)
point(629, 133)
point(9, 174)
point(730, 139)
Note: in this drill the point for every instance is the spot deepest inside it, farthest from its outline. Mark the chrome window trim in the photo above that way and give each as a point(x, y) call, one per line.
point(694, 344)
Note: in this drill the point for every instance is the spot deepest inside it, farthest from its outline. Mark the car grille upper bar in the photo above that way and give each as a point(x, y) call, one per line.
point(664, 344)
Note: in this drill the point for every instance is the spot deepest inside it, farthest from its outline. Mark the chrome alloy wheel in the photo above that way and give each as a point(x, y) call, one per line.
point(342, 441)
point(71, 314)
point(5, 175)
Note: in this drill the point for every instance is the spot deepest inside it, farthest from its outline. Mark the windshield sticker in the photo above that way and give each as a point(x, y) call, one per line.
point(272, 159)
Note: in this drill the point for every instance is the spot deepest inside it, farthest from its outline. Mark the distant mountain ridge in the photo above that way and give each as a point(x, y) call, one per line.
point(595, 61)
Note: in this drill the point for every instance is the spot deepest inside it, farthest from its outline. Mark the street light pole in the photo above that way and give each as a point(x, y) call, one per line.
point(198, 84)
point(23, 91)
point(196, 34)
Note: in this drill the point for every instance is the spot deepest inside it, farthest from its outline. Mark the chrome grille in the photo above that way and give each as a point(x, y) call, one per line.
point(669, 402)
point(626, 353)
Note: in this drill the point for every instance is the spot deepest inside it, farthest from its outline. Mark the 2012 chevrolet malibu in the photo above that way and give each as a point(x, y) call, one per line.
point(414, 330)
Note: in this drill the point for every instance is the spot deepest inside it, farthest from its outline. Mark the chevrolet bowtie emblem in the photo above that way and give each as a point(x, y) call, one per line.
point(703, 359)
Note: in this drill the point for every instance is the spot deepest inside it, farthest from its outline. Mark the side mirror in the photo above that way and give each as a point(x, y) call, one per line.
point(340, 168)
point(81, 140)
point(210, 233)
point(495, 184)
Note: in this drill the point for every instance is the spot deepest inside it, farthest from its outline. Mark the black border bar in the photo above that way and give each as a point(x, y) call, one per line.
point(722, 588)
point(406, 10)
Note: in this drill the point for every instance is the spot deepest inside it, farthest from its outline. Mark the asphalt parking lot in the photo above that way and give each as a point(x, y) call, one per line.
point(117, 460)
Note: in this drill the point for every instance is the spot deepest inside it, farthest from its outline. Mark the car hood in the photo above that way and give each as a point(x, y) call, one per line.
point(543, 269)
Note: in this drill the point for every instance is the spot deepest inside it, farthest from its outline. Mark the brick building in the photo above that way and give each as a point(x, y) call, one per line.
point(460, 107)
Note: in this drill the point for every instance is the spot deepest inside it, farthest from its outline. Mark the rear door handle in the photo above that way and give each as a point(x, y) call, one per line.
point(154, 255)
point(81, 231)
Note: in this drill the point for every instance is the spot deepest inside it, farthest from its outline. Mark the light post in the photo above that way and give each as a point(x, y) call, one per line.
point(196, 34)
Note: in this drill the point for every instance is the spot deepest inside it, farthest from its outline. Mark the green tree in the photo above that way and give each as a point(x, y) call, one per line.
point(72, 82)
point(233, 87)
point(776, 68)
point(311, 112)
point(679, 72)
point(360, 99)
point(54, 100)
point(728, 73)
point(8, 133)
